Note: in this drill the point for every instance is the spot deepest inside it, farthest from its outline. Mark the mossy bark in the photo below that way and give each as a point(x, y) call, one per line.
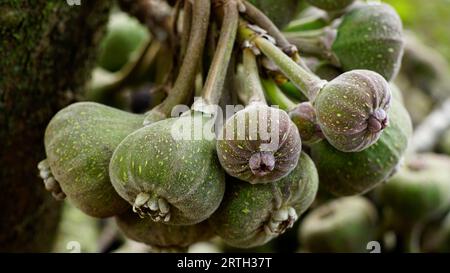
point(47, 49)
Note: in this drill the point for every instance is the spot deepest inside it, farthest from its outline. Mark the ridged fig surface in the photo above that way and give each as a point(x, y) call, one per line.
point(344, 173)
point(352, 110)
point(160, 235)
point(305, 118)
point(331, 5)
point(343, 225)
point(167, 177)
point(79, 142)
point(252, 215)
point(370, 37)
point(260, 144)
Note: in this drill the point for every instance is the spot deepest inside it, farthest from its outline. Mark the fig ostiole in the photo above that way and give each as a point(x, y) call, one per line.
point(79, 142)
point(343, 173)
point(164, 170)
point(162, 237)
point(260, 144)
point(351, 109)
point(252, 215)
point(369, 36)
point(346, 224)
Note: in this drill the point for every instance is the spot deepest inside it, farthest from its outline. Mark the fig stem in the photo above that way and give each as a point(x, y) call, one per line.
point(308, 83)
point(212, 89)
point(187, 20)
point(182, 88)
point(264, 22)
point(304, 23)
point(252, 82)
point(276, 96)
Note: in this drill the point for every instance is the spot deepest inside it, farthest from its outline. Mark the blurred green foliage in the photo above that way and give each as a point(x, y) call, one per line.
point(429, 19)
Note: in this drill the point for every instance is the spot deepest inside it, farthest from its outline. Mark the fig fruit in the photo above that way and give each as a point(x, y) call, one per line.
point(344, 173)
point(345, 224)
point(370, 37)
point(124, 36)
point(352, 109)
point(420, 189)
point(331, 5)
point(168, 173)
point(436, 237)
point(79, 142)
point(281, 12)
point(260, 144)
point(304, 117)
point(252, 215)
point(159, 235)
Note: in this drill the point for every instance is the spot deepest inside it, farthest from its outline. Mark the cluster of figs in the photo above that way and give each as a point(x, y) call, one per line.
point(347, 134)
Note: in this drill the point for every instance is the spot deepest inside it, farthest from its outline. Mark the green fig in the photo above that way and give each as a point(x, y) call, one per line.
point(370, 37)
point(252, 215)
point(169, 174)
point(260, 144)
point(159, 235)
point(352, 110)
point(346, 224)
point(124, 37)
point(420, 189)
point(344, 173)
point(331, 5)
point(281, 12)
point(79, 142)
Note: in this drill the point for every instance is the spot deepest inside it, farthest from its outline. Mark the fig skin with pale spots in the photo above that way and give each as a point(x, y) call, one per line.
point(342, 225)
point(252, 215)
point(370, 37)
point(344, 174)
point(160, 235)
point(246, 154)
point(305, 118)
point(352, 110)
point(331, 5)
point(175, 181)
point(79, 142)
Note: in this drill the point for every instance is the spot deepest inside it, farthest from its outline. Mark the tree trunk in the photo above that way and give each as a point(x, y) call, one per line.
point(47, 50)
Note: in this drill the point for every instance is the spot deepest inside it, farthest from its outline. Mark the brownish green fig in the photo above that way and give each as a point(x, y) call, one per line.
point(159, 235)
point(352, 110)
point(331, 5)
point(344, 173)
point(79, 142)
point(304, 117)
point(370, 37)
point(252, 215)
point(420, 189)
point(260, 144)
point(342, 225)
point(169, 172)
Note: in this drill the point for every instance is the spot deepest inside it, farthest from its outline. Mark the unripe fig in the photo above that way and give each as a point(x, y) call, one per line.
point(281, 12)
point(331, 5)
point(171, 176)
point(124, 36)
point(370, 37)
point(260, 144)
point(252, 215)
point(344, 173)
point(420, 189)
point(352, 109)
point(79, 142)
point(342, 225)
point(327, 71)
point(159, 235)
point(304, 117)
